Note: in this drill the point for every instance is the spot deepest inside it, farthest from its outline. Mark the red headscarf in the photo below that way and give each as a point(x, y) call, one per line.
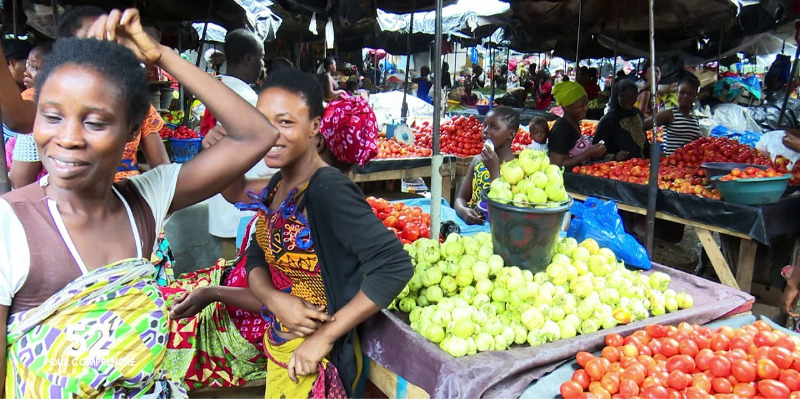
point(350, 130)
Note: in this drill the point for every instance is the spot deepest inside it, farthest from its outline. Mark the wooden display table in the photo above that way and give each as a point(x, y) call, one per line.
point(750, 224)
point(407, 168)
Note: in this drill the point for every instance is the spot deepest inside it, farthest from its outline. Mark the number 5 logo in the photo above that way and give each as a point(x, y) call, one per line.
point(77, 343)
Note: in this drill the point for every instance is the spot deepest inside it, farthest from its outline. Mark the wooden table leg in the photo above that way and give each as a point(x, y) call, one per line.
point(747, 260)
point(393, 385)
point(717, 259)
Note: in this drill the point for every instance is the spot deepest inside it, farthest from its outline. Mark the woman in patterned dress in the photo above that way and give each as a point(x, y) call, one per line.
point(501, 124)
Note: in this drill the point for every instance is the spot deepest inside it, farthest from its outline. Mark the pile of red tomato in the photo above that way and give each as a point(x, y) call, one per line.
point(690, 361)
point(462, 136)
point(685, 180)
point(750, 173)
point(408, 223)
point(166, 133)
point(184, 132)
point(781, 165)
point(715, 149)
point(522, 140)
point(391, 148)
point(423, 135)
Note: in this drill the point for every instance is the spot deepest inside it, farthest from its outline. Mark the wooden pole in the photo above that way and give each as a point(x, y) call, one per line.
point(789, 87)
point(652, 193)
point(578, 46)
point(436, 158)
point(5, 183)
point(188, 105)
point(404, 108)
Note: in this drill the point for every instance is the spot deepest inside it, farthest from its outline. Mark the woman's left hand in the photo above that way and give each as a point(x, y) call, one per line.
point(308, 355)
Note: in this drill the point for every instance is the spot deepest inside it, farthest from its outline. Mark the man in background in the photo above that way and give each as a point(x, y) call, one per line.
point(244, 54)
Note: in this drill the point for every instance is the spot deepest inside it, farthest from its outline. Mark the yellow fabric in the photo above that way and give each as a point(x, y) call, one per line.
point(568, 92)
point(279, 386)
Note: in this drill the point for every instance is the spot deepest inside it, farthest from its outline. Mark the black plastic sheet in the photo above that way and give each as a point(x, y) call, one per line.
point(762, 223)
point(390, 342)
point(391, 164)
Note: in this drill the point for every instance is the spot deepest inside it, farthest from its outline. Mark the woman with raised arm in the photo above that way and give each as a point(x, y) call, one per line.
point(72, 246)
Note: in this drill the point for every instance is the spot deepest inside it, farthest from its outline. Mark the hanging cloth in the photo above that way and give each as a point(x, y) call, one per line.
point(329, 34)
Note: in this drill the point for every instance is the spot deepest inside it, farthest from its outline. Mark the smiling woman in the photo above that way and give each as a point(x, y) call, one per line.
point(72, 246)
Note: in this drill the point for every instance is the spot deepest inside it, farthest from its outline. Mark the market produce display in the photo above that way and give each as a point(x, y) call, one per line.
point(529, 181)
point(660, 136)
point(715, 149)
point(681, 170)
point(690, 361)
point(521, 141)
point(462, 136)
point(391, 148)
point(166, 133)
point(781, 164)
point(174, 117)
point(681, 179)
point(182, 132)
point(589, 128)
point(750, 173)
point(466, 300)
point(423, 134)
point(408, 223)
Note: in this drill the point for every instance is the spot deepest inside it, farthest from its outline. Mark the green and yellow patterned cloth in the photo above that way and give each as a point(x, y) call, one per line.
point(104, 335)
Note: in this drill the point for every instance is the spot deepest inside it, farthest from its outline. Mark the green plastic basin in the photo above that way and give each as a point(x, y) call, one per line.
point(755, 191)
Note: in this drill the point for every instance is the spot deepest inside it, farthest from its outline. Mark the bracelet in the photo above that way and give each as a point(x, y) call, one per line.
point(264, 313)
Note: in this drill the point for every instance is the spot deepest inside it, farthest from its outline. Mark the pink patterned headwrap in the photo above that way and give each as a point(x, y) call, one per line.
point(350, 130)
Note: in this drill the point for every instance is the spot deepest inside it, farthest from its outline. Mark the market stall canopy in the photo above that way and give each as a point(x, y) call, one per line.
point(260, 18)
point(543, 18)
point(466, 14)
point(227, 13)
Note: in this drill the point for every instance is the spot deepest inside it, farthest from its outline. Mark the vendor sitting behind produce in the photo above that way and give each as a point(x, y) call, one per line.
point(499, 128)
point(680, 125)
point(622, 128)
point(468, 99)
point(566, 147)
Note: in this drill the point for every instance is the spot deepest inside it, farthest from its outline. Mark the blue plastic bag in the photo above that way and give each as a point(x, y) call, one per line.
point(746, 137)
point(599, 220)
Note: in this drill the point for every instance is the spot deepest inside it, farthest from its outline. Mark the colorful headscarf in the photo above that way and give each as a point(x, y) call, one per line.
point(567, 93)
point(350, 130)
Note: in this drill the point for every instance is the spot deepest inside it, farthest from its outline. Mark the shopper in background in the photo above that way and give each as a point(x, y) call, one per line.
point(245, 54)
point(567, 148)
point(424, 84)
point(447, 83)
point(332, 90)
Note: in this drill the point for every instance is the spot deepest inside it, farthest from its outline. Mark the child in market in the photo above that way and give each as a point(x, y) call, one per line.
point(499, 128)
point(539, 131)
point(468, 99)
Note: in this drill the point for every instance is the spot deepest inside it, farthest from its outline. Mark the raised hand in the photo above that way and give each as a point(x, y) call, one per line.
point(126, 28)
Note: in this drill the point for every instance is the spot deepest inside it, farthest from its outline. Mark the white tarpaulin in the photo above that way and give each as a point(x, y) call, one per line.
point(465, 14)
point(387, 106)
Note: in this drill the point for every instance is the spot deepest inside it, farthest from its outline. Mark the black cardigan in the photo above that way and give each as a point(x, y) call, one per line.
point(355, 249)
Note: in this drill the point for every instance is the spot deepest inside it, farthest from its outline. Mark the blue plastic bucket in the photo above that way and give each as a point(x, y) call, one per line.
point(184, 149)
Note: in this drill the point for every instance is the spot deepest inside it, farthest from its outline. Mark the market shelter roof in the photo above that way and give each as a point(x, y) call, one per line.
point(226, 13)
point(544, 18)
